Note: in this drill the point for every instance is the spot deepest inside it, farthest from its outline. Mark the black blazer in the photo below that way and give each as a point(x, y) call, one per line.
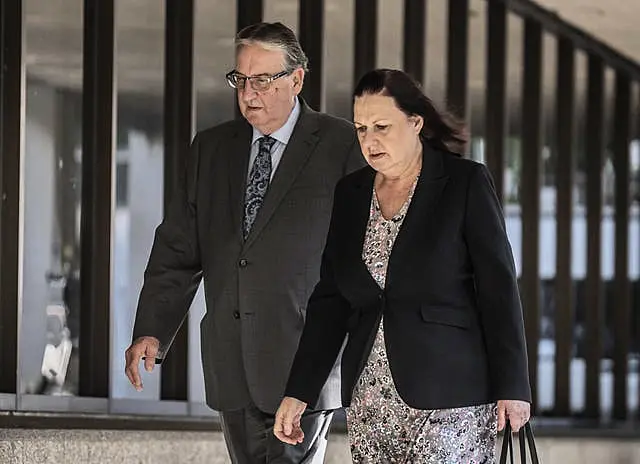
point(452, 314)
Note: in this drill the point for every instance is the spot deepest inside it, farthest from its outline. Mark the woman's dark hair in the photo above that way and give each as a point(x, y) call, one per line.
point(440, 129)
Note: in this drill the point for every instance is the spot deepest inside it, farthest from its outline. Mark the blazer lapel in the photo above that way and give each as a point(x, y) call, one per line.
point(300, 147)
point(239, 149)
point(419, 218)
point(353, 233)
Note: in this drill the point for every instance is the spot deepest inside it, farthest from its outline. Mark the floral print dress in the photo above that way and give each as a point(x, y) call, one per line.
point(381, 427)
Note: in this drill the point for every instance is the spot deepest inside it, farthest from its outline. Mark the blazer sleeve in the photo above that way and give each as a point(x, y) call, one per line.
point(496, 289)
point(174, 270)
point(324, 331)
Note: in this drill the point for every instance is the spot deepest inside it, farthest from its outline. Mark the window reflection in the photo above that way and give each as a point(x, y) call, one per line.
point(214, 104)
point(50, 312)
point(139, 33)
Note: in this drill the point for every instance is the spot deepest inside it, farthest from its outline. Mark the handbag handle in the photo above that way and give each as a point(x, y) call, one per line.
point(528, 432)
point(525, 437)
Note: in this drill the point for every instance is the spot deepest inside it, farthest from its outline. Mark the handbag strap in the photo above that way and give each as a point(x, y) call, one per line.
point(507, 445)
point(528, 432)
point(525, 437)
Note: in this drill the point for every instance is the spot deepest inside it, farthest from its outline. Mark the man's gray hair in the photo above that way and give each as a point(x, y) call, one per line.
point(275, 36)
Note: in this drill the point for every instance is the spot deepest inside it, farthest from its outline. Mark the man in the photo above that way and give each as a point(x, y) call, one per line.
point(251, 218)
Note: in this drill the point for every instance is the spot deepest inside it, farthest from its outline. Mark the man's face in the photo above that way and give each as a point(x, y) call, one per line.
point(266, 110)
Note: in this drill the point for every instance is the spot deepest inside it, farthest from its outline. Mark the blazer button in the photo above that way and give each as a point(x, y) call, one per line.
point(380, 296)
point(243, 262)
point(236, 315)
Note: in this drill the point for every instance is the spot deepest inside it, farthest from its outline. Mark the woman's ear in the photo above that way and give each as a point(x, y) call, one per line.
point(418, 123)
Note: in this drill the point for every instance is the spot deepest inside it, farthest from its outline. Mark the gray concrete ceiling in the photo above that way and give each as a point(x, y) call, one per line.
point(53, 48)
point(615, 22)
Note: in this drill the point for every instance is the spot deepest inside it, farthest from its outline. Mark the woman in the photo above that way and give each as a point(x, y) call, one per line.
point(418, 273)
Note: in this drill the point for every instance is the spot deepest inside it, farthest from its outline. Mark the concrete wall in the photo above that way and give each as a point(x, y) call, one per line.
point(117, 447)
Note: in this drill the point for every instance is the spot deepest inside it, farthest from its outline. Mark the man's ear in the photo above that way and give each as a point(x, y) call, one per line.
point(298, 80)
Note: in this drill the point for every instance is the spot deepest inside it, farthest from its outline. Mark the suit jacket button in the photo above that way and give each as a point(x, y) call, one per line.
point(236, 315)
point(380, 296)
point(243, 262)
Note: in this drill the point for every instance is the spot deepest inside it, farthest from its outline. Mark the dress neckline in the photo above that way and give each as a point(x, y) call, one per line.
point(403, 209)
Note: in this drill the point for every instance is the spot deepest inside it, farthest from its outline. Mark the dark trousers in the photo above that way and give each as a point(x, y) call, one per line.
point(249, 436)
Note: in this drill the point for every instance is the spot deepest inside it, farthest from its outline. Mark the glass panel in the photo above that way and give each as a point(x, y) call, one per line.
point(139, 174)
point(607, 247)
point(48, 343)
point(513, 144)
point(339, 56)
point(548, 236)
point(578, 367)
point(215, 28)
point(436, 49)
point(390, 34)
point(634, 255)
point(214, 55)
point(285, 11)
point(477, 80)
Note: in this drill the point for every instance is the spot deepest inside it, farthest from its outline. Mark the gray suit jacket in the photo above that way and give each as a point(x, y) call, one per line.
point(256, 291)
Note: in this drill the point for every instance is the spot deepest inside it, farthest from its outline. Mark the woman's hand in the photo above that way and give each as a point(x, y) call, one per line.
point(518, 413)
point(287, 425)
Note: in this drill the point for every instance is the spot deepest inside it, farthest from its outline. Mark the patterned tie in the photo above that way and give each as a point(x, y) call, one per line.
point(258, 183)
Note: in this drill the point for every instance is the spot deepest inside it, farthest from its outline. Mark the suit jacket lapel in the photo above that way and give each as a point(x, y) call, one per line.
point(300, 147)
point(239, 150)
point(419, 218)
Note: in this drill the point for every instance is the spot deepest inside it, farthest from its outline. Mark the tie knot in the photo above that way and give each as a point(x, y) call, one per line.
point(266, 143)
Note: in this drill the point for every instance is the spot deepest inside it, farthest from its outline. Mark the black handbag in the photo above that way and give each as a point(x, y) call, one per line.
point(525, 437)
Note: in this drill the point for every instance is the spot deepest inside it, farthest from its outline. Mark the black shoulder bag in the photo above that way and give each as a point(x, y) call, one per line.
point(525, 436)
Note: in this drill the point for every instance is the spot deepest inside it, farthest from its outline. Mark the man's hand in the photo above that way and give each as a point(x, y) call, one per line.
point(287, 426)
point(517, 412)
point(146, 347)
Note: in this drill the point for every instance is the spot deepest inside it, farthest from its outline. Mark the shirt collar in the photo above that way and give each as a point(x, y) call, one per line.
point(283, 134)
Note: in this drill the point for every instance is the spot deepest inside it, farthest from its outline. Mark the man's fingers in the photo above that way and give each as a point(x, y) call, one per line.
point(150, 354)
point(133, 357)
point(134, 374)
point(146, 347)
point(129, 376)
point(149, 362)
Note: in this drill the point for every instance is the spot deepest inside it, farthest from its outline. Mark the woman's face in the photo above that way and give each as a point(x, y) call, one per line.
point(389, 139)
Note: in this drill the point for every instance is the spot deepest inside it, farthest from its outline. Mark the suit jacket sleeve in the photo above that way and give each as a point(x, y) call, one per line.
point(497, 289)
point(174, 270)
point(324, 331)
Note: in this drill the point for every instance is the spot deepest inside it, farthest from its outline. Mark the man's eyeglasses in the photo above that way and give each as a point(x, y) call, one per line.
point(260, 83)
